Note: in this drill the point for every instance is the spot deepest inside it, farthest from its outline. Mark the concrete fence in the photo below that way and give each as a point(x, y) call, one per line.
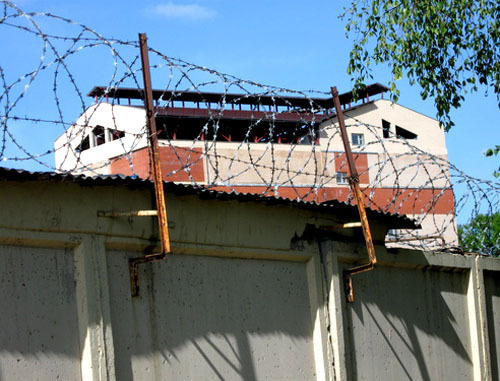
point(246, 294)
point(417, 316)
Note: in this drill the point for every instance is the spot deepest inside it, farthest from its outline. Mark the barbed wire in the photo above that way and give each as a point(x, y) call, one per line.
point(223, 132)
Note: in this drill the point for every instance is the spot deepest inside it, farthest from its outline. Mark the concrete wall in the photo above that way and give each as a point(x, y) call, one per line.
point(212, 318)
point(492, 301)
point(39, 336)
point(418, 316)
point(248, 293)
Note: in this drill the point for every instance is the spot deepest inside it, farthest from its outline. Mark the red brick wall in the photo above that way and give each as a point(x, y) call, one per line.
point(407, 201)
point(182, 161)
point(361, 163)
point(307, 194)
point(403, 201)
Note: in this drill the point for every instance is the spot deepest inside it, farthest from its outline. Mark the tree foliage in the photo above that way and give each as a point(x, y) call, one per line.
point(449, 47)
point(494, 152)
point(481, 235)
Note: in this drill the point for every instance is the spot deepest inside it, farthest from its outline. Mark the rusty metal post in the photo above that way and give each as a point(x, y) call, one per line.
point(153, 146)
point(354, 183)
point(156, 169)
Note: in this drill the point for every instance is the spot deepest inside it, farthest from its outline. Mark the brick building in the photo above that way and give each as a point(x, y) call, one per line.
point(286, 146)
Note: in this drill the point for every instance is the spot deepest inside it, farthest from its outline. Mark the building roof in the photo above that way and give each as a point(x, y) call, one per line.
point(332, 206)
point(247, 99)
point(284, 111)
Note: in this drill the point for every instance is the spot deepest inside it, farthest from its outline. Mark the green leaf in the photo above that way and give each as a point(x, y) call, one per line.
point(445, 46)
point(481, 234)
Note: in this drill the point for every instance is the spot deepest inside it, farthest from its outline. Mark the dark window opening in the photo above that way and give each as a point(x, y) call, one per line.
point(99, 135)
point(115, 134)
point(386, 128)
point(404, 133)
point(236, 130)
point(85, 144)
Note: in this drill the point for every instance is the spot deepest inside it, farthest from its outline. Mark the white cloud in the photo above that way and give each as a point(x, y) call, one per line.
point(185, 12)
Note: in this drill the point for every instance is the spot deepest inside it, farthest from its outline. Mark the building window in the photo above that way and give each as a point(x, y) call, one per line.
point(84, 145)
point(115, 134)
point(99, 135)
point(402, 133)
point(358, 139)
point(386, 128)
point(341, 177)
point(238, 130)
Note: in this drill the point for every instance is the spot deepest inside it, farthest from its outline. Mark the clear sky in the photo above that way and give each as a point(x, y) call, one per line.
point(293, 44)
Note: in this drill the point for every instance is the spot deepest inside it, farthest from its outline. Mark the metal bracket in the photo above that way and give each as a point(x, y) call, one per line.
point(347, 225)
point(136, 213)
point(154, 152)
point(354, 183)
point(134, 269)
point(419, 238)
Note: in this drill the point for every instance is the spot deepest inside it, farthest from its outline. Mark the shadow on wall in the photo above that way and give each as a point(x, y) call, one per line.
point(38, 314)
point(492, 291)
point(212, 318)
point(410, 324)
point(196, 318)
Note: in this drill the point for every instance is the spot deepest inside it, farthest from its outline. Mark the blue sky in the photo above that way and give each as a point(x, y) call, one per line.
point(292, 44)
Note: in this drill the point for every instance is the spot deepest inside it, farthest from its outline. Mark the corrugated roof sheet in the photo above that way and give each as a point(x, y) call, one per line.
point(347, 210)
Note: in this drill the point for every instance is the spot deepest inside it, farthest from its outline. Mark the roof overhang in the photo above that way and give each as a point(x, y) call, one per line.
point(295, 102)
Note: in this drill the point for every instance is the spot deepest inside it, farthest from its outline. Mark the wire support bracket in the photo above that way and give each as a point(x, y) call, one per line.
point(354, 183)
point(154, 158)
point(134, 213)
point(347, 225)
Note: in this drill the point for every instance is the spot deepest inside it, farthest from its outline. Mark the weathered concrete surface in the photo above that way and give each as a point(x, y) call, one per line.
point(232, 319)
point(417, 316)
point(410, 324)
point(243, 296)
point(240, 307)
point(39, 335)
point(492, 292)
